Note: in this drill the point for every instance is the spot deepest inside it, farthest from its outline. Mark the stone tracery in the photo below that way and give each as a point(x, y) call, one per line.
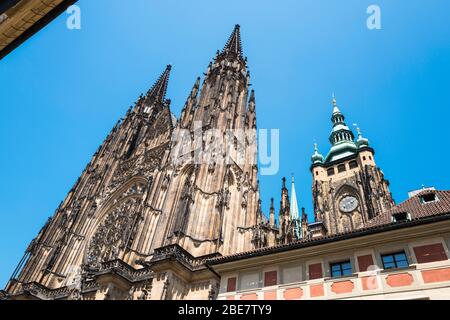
point(110, 238)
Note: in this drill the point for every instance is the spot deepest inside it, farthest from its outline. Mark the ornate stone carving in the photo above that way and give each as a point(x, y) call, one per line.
point(130, 295)
point(110, 212)
point(3, 295)
point(165, 182)
point(112, 235)
point(144, 165)
point(75, 294)
point(213, 291)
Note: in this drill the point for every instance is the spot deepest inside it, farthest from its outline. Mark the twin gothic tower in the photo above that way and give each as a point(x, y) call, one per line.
point(152, 205)
point(147, 187)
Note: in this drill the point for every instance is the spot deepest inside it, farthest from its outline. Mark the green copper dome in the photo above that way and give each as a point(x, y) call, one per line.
point(316, 157)
point(341, 150)
point(361, 142)
point(342, 140)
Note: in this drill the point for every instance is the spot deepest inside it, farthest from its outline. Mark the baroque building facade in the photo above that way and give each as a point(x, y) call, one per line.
point(166, 204)
point(402, 254)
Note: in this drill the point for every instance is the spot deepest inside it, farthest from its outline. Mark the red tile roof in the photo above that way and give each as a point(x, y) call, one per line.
point(419, 213)
point(416, 208)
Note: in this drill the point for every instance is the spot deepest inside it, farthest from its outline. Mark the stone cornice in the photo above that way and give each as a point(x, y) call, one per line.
point(114, 267)
point(176, 252)
point(123, 269)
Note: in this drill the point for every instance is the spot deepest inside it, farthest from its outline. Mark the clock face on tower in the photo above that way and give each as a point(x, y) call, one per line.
point(348, 204)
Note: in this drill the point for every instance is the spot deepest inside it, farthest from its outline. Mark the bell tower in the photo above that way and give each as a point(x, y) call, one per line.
point(348, 187)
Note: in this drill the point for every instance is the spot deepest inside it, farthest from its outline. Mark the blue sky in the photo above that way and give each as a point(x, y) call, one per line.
point(63, 90)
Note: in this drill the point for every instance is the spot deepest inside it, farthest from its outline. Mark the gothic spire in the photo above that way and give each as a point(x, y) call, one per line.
point(294, 205)
point(294, 212)
point(159, 89)
point(188, 110)
point(190, 102)
point(234, 44)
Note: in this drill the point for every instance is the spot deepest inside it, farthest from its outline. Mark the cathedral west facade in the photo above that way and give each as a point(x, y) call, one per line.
point(152, 217)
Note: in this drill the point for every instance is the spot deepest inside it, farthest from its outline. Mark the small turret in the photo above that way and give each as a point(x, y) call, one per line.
point(316, 157)
point(272, 214)
point(304, 224)
point(361, 141)
point(251, 112)
point(284, 215)
point(189, 107)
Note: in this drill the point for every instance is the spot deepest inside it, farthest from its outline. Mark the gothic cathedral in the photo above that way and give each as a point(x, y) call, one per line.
point(139, 225)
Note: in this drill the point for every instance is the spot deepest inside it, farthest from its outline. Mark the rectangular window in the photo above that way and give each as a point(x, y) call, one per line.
point(270, 278)
point(249, 281)
point(430, 253)
point(395, 260)
point(291, 274)
point(353, 164)
point(364, 262)
point(426, 198)
point(330, 171)
point(315, 271)
point(341, 168)
point(401, 217)
point(231, 284)
point(340, 269)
